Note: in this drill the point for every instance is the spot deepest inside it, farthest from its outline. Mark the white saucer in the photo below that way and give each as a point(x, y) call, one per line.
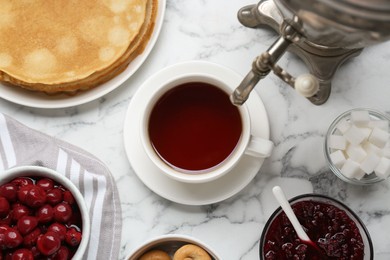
point(186, 193)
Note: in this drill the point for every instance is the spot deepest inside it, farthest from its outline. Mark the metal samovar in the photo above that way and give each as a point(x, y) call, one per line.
point(323, 33)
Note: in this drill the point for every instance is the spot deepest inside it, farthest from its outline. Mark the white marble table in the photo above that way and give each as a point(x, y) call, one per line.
point(209, 30)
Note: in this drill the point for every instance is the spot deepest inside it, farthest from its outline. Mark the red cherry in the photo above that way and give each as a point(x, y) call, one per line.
point(22, 254)
point(4, 207)
point(26, 224)
point(30, 239)
point(22, 181)
point(19, 210)
point(62, 254)
point(46, 184)
point(73, 237)
point(12, 238)
point(35, 197)
point(3, 229)
point(62, 212)
point(22, 192)
point(54, 196)
point(68, 197)
point(48, 243)
point(9, 191)
point(45, 213)
point(59, 229)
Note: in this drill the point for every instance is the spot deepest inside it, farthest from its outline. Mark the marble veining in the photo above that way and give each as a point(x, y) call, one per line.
point(209, 30)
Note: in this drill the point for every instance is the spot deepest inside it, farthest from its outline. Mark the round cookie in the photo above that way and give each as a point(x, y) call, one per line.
point(191, 252)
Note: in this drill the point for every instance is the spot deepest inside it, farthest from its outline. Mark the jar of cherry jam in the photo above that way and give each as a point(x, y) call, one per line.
point(336, 230)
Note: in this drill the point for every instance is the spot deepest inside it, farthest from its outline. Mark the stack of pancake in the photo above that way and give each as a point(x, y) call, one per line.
point(65, 46)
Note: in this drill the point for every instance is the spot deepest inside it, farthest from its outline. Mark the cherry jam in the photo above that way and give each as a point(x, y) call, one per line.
point(333, 231)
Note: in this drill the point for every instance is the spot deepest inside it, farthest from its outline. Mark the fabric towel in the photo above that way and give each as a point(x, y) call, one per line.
point(21, 145)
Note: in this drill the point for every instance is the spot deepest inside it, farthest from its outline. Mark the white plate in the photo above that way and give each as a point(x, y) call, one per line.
point(186, 193)
point(39, 100)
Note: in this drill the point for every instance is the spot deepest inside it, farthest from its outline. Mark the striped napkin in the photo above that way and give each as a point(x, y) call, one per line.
point(20, 145)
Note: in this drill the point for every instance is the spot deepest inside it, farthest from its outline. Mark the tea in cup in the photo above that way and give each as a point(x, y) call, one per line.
point(193, 133)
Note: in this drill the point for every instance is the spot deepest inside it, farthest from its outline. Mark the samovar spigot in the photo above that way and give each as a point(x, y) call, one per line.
point(264, 63)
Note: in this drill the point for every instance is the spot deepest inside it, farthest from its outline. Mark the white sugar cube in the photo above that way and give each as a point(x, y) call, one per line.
point(351, 169)
point(367, 132)
point(371, 148)
point(355, 135)
point(360, 175)
point(370, 162)
point(337, 142)
point(381, 124)
point(343, 126)
point(379, 137)
point(356, 152)
point(386, 152)
point(360, 118)
point(382, 170)
point(337, 158)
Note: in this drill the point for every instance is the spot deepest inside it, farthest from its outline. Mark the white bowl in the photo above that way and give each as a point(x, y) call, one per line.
point(169, 244)
point(38, 171)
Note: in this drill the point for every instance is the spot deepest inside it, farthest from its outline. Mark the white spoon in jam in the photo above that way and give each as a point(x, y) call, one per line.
point(283, 202)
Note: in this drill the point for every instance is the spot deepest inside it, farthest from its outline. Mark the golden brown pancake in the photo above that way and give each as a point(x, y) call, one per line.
point(68, 45)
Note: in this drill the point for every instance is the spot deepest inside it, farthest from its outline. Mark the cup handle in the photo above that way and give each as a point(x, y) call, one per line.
point(259, 147)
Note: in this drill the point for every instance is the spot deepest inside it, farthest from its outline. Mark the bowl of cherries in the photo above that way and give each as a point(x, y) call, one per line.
point(42, 215)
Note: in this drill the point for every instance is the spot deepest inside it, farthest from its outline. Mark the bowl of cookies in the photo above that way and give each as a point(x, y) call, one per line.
point(173, 247)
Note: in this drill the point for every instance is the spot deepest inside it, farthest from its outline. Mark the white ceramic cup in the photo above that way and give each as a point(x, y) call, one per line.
point(248, 144)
